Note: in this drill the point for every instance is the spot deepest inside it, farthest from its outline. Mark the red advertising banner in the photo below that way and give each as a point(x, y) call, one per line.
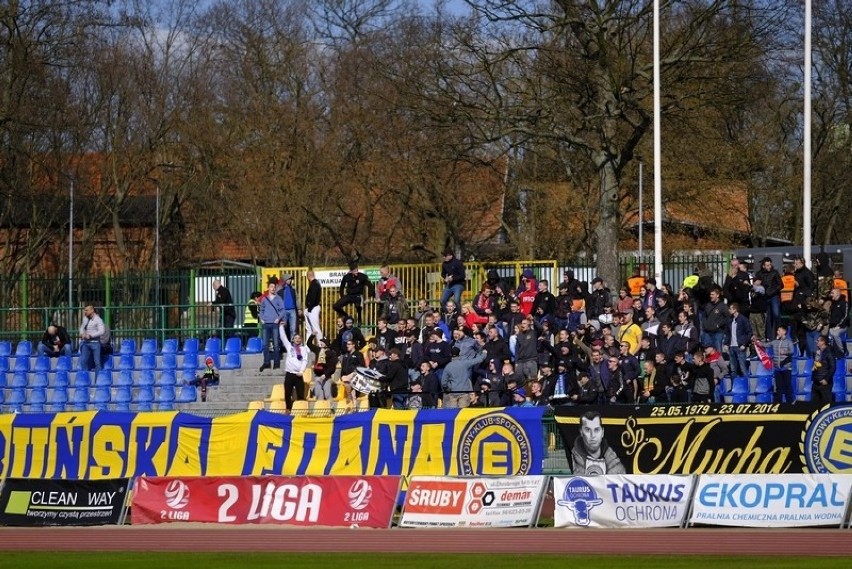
point(338, 501)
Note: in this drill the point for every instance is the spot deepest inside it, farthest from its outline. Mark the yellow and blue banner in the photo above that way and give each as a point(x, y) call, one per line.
point(440, 442)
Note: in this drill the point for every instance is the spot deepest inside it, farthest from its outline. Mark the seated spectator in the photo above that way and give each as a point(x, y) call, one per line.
point(55, 342)
point(208, 376)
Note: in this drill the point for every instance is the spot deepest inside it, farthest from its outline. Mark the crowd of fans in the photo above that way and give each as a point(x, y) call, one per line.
point(525, 345)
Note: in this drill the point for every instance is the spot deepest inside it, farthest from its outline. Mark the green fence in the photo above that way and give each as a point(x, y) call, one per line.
point(176, 304)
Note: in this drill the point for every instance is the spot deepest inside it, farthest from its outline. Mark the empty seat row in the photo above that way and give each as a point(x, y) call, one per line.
point(82, 398)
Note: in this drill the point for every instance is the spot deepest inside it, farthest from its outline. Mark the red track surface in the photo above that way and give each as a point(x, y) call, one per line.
point(737, 542)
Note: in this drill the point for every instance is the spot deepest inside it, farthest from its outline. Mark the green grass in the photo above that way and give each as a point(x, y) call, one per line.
point(397, 561)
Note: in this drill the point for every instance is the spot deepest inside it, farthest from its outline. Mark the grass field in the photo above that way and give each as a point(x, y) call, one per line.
point(397, 561)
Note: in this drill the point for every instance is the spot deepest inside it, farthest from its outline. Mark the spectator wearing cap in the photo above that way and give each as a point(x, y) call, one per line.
point(456, 379)
point(349, 333)
point(519, 398)
point(484, 394)
point(291, 303)
point(354, 287)
point(419, 397)
point(208, 376)
point(453, 275)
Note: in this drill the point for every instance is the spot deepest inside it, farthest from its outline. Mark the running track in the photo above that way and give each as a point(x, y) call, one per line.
point(736, 542)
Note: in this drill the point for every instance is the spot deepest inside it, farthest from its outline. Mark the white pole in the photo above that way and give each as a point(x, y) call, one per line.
point(806, 192)
point(658, 176)
point(157, 238)
point(71, 251)
point(641, 242)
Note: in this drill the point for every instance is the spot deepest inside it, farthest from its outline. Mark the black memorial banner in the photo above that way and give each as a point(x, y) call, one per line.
point(36, 502)
point(688, 439)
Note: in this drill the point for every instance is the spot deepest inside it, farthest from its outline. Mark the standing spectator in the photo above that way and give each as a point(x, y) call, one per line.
point(437, 353)
point(771, 281)
point(91, 330)
point(313, 299)
point(838, 320)
point(397, 377)
point(271, 314)
point(682, 379)
point(456, 380)
point(453, 275)
point(805, 281)
point(250, 316)
point(720, 369)
point(629, 332)
point(824, 275)
point(225, 303)
point(385, 337)
point(715, 320)
point(291, 304)
point(429, 381)
point(651, 293)
point(325, 364)
point(349, 332)
point(782, 363)
point(737, 338)
point(599, 298)
point(703, 379)
point(526, 350)
point(350, 360)
point(736, 286)
point(630, 371)
point(654, 382)
point(385, 282)
point(354, 286)
point(526, 297)
point(757, 307)
point(840, 283)
point(545, 303)
point(823, 372)
point(624, 302)
point(55, 342)
point(687, 330)
point(394, 308)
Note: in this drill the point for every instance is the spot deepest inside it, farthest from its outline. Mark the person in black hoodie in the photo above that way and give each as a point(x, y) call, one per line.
point(771, 281)
point(823, 372)
point(396, 375)
point(805, 281)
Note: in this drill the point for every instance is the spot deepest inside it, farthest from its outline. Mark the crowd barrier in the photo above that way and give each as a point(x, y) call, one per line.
point(606, 501)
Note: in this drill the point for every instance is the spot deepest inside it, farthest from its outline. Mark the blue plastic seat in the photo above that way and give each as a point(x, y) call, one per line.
point(40, 380)
point(126, 362)
point(81, 397)
point(107, 362)
point(254, 345)
point(739, 398)
point(213, 345)
point(59, 395)
point(149, 346)
point(190, 346)
point(740, 386)
point(232, 361)
point(764, 397)
point(3, 380)
point(188, 394)
point(170, 346)
point(17, 396)
point(102, 398)
point(38, 396)
point(166, 394)
point(82, 379)
point(4, 363)
point(764, 384)
point(60, 379)
point(128, 347)
point(233, 345)
point(5, 349)
point(57, 407)
point(167, 377)
point(190, 362)
point(22, 364)
point(24, 349)
point(63, 363)
point(20, 380)
point(169, 361)
point(146, 378)
point(149, 361)
point(123, 395)
point(42, 363)
point(838, 390)
point(125, 379)
point(103, 379)
point(144, 395)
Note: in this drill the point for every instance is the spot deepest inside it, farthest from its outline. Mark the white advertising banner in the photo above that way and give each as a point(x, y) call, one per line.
point(332, 278)
point(621, 501)
point(441, 501)
point(771, 500)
